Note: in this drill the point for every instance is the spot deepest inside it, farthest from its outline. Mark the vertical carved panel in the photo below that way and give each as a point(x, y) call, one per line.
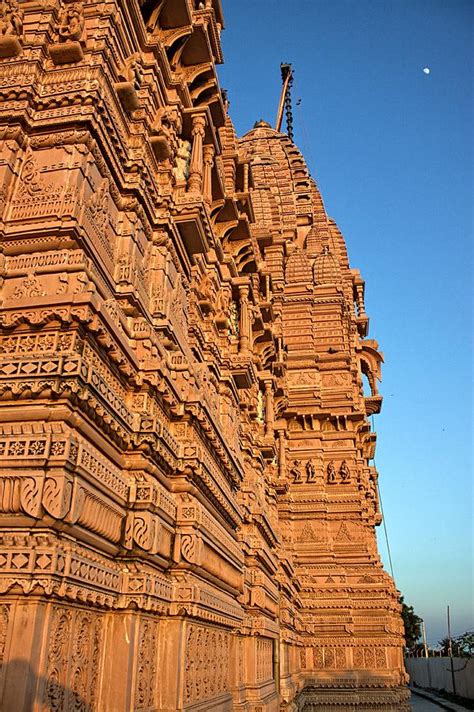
point(264, 659)
point(73, 665)
point(145, 686)
point(318, 658)
point(60, 636)
point(206, 663)
point(4, 620)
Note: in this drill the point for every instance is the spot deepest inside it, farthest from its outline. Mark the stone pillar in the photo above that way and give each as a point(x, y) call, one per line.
point(246, 178)
point(360, 300)
point(120, 649)
point(24, 667)
point(244, 319)
point(282, 454)
point(269, 416)
point(196, 165)
point(207, 178)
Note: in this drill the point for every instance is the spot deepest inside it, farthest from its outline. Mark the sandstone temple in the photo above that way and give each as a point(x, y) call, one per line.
point(188, 499)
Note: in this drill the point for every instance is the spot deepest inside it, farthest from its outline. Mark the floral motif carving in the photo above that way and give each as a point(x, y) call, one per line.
point(4, 621)
point(30, 286)
point(145, 687)
point(206, 663)
point(73, 656)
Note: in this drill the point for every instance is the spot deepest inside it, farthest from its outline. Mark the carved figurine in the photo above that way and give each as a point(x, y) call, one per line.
point(234, 321)
point(131, 77)
point(296, 472)
point(99, 203)
point(204, 290)
point(166, 130)
point(11, 19)
point(260, 407)
point(310, 471)
point(70, 27)
point(11, 28)
point(331, 470)
point(222, 309)
point(4, 19)
point(132, 71)
point(344, 472)
point(71, 32)
point(182, 160)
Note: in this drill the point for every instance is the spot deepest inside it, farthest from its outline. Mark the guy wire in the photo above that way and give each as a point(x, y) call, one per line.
point(383, 517)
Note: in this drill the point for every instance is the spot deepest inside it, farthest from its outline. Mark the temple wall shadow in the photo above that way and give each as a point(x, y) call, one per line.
point(22, 690)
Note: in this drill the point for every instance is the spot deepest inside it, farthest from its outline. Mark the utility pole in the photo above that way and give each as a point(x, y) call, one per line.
point(423, 633)
point(450, 653)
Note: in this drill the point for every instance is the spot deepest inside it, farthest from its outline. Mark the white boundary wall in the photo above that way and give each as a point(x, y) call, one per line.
point(436, 673)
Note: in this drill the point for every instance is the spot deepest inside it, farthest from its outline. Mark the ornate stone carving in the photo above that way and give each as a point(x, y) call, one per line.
point(331, 472)
point(144, 530)
point(11, 28)
point(29, 287)
point(166, 131)
point(310, 471)
point(4, 621)
point(296, 472)
point(206, 663)
point(131, 77)
point(70, 30)
point(145, 686)
point(344, 473)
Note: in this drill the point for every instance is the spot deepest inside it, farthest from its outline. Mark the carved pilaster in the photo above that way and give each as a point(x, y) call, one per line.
point(244, 343)
point(196, 164)
point(209, 152)
point(269, 414)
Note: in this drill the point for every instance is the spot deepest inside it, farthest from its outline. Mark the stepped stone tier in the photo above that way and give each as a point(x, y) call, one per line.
point(187, 500)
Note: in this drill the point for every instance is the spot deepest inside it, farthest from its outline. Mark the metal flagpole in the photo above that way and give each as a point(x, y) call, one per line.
point(450, 652)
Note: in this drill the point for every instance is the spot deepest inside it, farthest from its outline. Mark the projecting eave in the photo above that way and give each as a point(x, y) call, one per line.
point(217, 5)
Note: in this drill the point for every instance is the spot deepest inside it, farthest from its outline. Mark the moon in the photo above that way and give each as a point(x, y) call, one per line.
point(426, 70)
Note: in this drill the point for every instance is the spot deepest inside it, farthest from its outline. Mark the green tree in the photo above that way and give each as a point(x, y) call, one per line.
point(445, 647)
point(462, 646)
point(466, 644)
point(412, 625)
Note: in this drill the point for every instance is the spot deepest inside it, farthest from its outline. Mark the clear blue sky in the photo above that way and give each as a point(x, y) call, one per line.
point(392, 151)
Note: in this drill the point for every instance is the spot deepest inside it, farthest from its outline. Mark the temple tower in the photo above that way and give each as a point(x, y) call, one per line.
point(328, 501)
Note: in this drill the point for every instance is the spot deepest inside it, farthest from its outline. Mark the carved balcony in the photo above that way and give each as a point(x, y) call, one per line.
point(193, 224)
point(242, 370)
point(210, 14)
point(362, 323)
point(267, 447)
point(373, 404)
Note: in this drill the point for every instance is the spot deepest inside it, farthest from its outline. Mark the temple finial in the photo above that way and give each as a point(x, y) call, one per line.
point(285, 100)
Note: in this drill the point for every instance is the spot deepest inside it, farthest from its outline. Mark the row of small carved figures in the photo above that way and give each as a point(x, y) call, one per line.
point(311, 472)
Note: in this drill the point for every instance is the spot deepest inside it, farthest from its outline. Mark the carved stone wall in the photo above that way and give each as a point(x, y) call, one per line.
point(187, 500)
